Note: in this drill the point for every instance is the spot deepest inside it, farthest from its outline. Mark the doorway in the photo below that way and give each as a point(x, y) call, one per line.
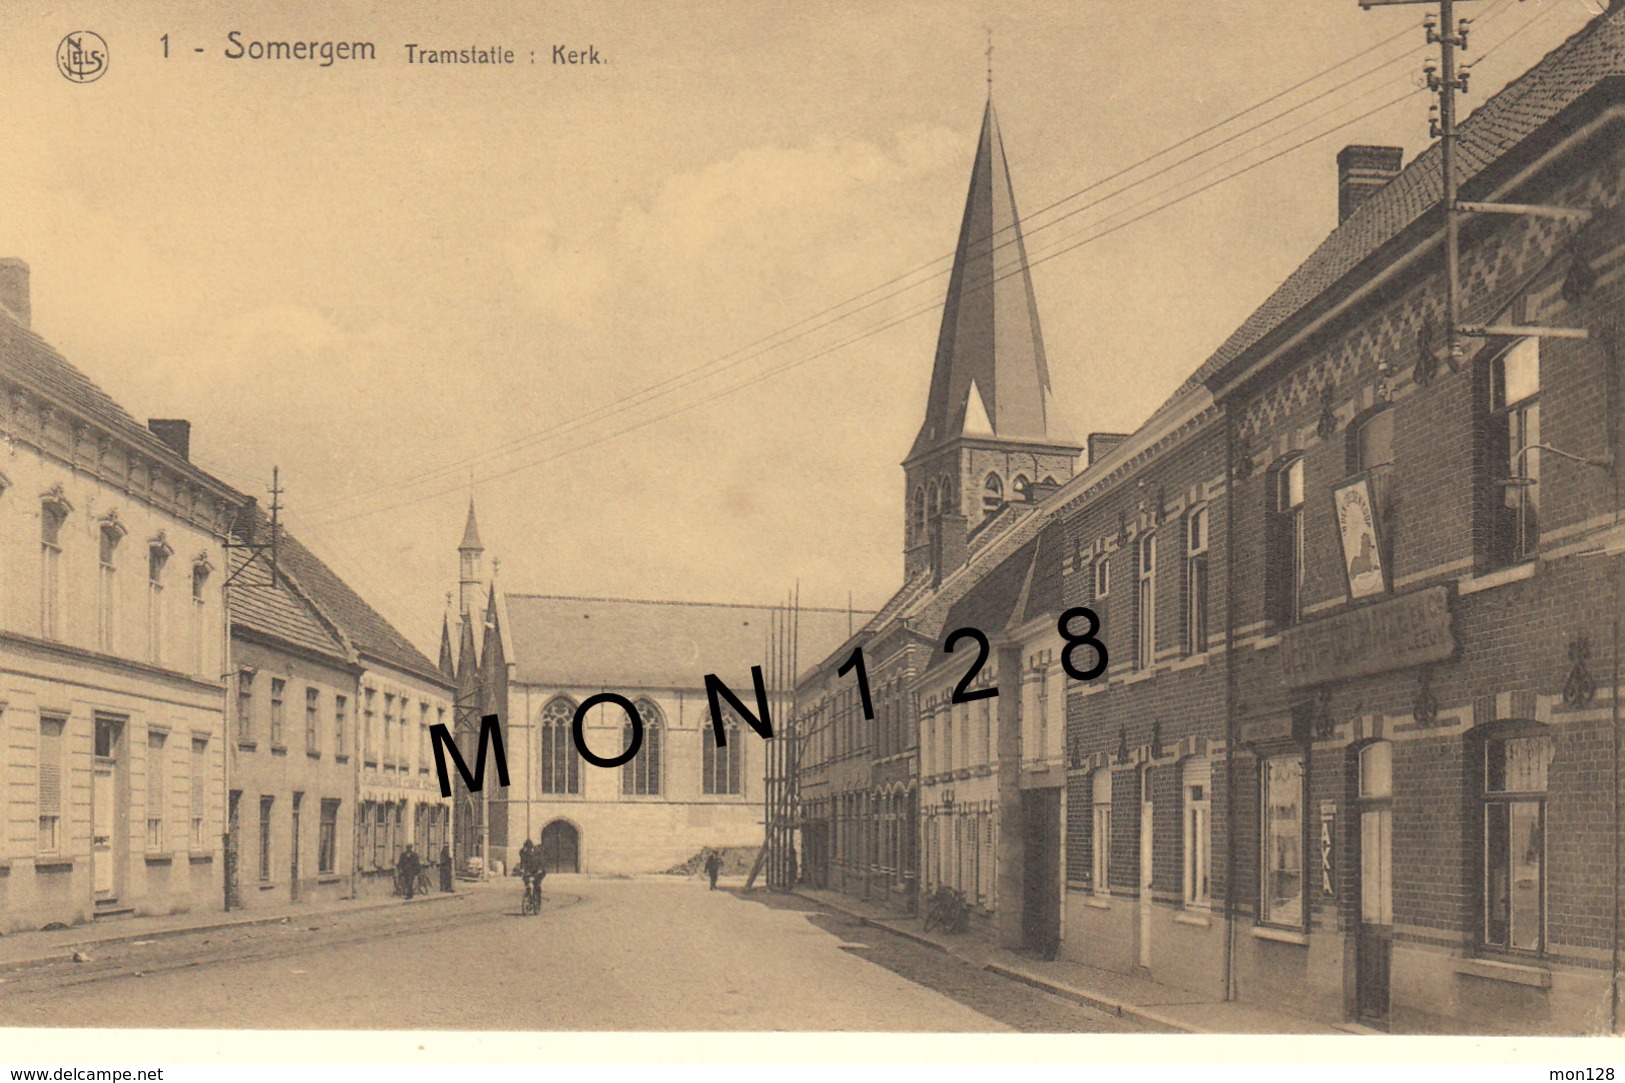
point(293, 865)
point(107, 840)
point(1375, 941)
point(561, 847)
point(1041, 872)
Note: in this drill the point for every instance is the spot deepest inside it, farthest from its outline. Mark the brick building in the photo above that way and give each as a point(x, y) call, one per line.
point(883, 808)
point(1399, 617)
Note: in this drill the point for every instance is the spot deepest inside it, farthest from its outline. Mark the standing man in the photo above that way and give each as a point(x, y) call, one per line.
point(410, 867)
point(713, 865)
point(445, 868)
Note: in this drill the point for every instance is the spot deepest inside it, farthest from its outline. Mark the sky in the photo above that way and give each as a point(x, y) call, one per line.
point(406, 284)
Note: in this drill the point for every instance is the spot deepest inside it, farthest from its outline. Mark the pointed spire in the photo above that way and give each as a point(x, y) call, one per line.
point(990, 340)
point(448, 668)
point(471, 531)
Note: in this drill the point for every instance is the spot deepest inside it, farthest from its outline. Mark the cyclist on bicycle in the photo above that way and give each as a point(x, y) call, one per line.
point(530, 868)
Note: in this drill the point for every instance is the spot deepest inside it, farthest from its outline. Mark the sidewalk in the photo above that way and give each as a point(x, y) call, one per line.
point(1150, 1002)
point(20, 950)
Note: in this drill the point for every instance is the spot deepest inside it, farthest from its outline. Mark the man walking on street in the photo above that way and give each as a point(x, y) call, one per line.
point(713, 865)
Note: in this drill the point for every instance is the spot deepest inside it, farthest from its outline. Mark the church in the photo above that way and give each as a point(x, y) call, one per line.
point(532, 659)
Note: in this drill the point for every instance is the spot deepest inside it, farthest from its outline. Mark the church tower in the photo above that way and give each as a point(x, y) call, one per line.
point(991, 435)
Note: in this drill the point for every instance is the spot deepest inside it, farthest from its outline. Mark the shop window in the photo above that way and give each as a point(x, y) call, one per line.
point(1376, 834)
point(1513, 433)
point(1281, 899)
point(1515, 773)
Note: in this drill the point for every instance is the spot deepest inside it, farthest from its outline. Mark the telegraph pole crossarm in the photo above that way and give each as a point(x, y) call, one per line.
point(1445, 80)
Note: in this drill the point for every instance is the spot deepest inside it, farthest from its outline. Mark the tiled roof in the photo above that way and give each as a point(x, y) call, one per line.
point(277, 611)
point(928, 614)
point(366, 629)
point(33, 362)
point(1593, 54)
point(1041, 595)
point(988, 604)
point(618, 642)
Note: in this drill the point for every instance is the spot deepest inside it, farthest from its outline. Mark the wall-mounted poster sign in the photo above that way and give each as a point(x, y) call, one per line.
point(1357, 525)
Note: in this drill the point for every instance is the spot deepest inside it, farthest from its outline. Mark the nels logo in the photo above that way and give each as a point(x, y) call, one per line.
point(82, 57)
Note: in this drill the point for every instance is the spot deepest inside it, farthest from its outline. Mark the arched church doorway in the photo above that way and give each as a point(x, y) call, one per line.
point(561, 847)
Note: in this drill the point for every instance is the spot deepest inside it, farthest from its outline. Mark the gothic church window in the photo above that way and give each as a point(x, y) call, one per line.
point(560, 764)
point(723, 768)
point(992, 494)
point(641, 775)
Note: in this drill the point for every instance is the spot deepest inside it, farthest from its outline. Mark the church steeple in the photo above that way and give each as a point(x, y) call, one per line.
point(469, 554)
point(990, 434)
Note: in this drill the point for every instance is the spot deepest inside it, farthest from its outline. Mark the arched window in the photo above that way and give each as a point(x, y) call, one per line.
point(916, 520)
point(933, 502)
point(947, 504)
point(641, 774)
point(1021, 487)
point(992, 494)
point(724, 768)
point(560, 764)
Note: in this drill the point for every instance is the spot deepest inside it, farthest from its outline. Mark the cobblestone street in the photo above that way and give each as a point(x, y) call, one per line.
point(643, 954)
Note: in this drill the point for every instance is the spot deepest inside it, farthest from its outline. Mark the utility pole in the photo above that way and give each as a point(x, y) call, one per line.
point(1445, 79)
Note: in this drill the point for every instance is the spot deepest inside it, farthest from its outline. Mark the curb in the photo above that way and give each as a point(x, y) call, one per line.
point(66, 951)
point(1094, 1000)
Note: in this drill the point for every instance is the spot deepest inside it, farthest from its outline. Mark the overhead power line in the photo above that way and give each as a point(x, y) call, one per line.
point(768, 342)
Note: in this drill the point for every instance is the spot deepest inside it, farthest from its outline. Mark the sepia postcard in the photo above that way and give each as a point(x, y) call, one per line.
point(891, 531)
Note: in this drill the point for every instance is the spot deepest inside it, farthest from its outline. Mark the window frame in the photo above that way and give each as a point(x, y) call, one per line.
point(1506, 798)
point(1196, 830)
point(1197, 579)
point(1100, 838)
point(1145, 632)
point(1288, 563)
point(559, 764)
point(641, 776)
point(1266, 850)
point(50, 755)
point(1511, 544)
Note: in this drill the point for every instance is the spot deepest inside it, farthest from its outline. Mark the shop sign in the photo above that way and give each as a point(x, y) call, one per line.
point(1409, 630)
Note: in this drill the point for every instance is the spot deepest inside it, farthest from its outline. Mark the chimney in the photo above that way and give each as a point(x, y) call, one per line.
point(175, 433)
point(951, 544)
point(1102, 442)
point(1361, 172)
point(14, 289)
